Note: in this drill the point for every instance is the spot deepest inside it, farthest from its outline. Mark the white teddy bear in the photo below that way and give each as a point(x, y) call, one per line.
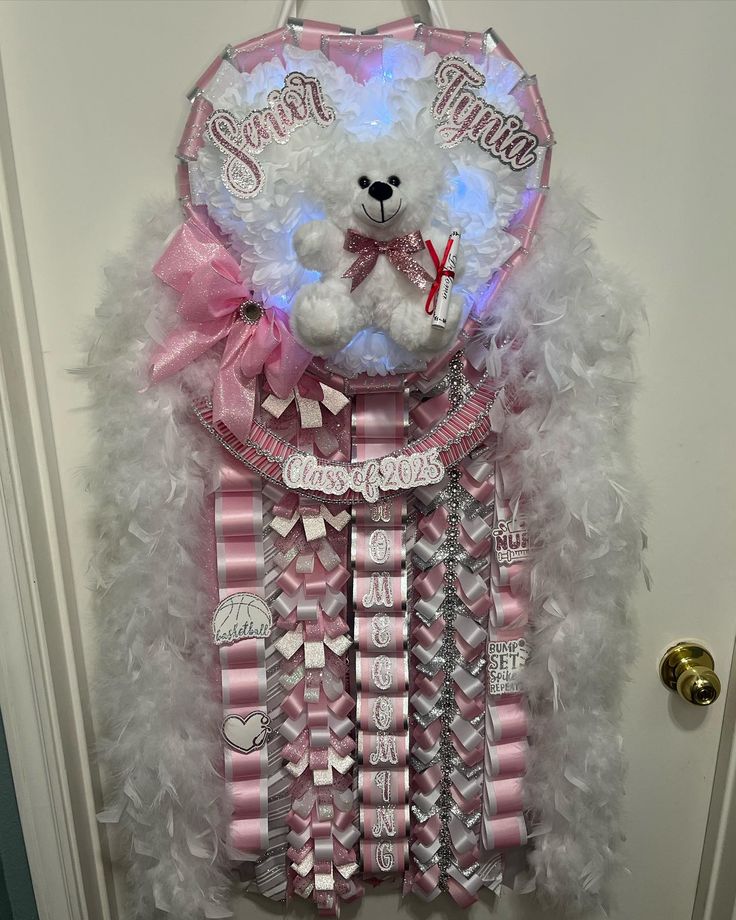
point(378, 198)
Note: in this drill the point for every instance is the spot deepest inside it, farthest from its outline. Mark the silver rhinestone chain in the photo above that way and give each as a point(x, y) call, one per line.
point(449, 651)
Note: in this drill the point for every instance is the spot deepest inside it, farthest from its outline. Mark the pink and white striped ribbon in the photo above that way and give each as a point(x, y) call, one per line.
point(505, 761)
point(239, 535)
point(380, 424)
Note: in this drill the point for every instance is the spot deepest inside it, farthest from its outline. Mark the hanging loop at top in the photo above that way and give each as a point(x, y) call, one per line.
point(434, 15)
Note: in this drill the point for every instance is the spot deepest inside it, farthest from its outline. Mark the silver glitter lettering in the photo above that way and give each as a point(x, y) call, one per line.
point(380, 630)
point(379, 546)
point(382, 781)
point(381, 672)
point(380, 591)
point(386, 751)
point(384, 824)
point(383, 713)
point(385, 859)
point(381, 513)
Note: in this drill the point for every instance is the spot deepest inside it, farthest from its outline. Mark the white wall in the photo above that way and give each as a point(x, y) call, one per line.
point(640, 97)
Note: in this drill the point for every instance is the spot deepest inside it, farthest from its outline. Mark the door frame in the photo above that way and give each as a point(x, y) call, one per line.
point(39, 685)
point(715, 898)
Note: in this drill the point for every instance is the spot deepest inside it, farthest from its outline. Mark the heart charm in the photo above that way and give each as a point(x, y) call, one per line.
point(246, 734)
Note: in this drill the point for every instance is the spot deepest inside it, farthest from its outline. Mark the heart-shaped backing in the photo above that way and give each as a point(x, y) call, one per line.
point(379, 82)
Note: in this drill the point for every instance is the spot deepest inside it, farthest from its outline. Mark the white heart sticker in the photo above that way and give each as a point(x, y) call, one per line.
point(246, 734)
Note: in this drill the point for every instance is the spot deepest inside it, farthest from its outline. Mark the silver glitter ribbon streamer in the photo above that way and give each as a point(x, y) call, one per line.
point(270, 870)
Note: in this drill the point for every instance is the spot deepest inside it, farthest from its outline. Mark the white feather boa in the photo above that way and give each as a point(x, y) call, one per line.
point(569, 453)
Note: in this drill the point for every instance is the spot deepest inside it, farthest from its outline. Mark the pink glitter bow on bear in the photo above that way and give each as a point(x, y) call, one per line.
point(198, 266)
point(397, 251)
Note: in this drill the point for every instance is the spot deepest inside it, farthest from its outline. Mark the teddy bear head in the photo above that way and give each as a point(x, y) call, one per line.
point(384, 188)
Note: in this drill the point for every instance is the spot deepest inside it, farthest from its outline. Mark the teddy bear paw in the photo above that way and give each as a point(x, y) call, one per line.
point(324, 318)
point(416, 333)
point(318, 245)
point(308, 241)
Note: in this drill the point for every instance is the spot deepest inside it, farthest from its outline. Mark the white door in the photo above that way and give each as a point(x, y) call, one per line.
point(640, 98)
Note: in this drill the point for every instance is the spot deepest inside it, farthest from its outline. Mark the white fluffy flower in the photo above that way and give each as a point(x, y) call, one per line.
point(374, 353)
point(481, 199)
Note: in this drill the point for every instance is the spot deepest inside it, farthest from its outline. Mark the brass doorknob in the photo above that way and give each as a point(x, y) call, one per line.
point(687, 669)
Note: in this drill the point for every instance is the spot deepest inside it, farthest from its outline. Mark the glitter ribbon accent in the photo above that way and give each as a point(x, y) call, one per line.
point(310, 413)
point(317, 729)
point(199, 267)
point(314, 518)
point(397, 251)
point(380, 425)
point(239, 531)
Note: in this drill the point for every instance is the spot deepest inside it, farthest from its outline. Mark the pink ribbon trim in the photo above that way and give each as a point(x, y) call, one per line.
point(242, 665)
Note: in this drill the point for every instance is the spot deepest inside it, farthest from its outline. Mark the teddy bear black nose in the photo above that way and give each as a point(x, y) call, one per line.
point(380, 191)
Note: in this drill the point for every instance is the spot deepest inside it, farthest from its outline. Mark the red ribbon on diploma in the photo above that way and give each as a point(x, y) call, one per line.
point(442, 272)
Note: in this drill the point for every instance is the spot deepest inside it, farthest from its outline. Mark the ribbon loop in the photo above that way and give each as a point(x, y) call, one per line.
point(199, 267)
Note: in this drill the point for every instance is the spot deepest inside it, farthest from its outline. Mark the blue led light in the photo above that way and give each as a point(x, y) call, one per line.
point(470, 194)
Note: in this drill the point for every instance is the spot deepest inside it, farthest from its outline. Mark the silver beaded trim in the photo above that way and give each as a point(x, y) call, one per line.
point(459, 503)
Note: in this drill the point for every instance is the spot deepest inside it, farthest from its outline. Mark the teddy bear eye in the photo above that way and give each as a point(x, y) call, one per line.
point(364, 182)
point(395, 181)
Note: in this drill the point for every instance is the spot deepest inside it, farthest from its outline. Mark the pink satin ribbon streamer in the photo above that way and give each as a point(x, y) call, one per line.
point(239, 529)
point(505, 759)
point(397, 251)
point(199, 267)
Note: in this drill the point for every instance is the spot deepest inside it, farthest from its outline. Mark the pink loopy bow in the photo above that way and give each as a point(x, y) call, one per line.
point(398, 251)
point(199, 267)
